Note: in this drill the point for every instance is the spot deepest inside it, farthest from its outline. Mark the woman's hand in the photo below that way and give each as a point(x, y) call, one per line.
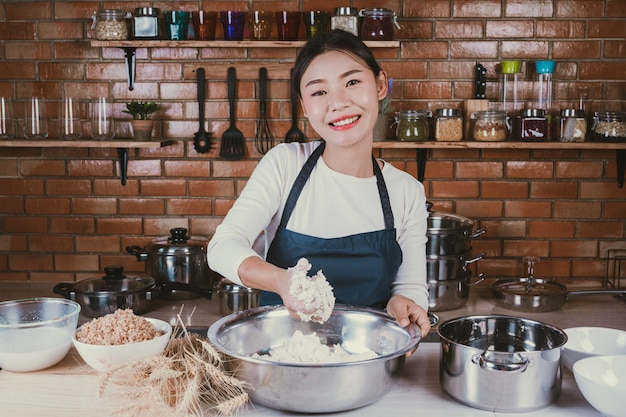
point(405, 311)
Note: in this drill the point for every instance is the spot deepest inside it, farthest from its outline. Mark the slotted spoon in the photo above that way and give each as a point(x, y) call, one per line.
point(233, 142)
point(294, 134)
point(264, 140)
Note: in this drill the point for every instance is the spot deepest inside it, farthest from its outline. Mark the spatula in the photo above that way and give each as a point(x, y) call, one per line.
point(202, 138)
point(233, 142)
point(294, 134)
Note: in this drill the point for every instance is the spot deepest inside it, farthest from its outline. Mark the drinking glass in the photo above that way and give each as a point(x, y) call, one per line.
point(261, 25)
point(288, 23)
point(316, 22)
point(233, 23)
point(204, 25)
point(70, 119)
point(177, 24)
point(7, 125)
point(102, 126)
point(35, 121)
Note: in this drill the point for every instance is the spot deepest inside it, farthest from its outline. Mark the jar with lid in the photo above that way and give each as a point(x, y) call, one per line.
point(490, 125)
point(412, 125)
point(448, 125)
point(146, 23)
point(378, 24)
point(572, 126)
point(346, 18)
point(110, 25)
point(533, 125)
point(609, 127)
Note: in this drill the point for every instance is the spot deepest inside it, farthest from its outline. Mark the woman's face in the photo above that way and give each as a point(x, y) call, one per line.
point(340, 98)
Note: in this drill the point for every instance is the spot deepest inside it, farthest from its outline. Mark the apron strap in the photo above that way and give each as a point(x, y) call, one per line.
point(305, 173)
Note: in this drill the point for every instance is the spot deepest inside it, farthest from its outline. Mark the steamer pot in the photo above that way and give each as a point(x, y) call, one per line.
point(176, 258)
point(501, 363)
point(443, 268)
point(450, 294)
point(449, 234)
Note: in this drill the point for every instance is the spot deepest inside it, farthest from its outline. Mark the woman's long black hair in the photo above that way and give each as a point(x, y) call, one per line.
point(335, 40)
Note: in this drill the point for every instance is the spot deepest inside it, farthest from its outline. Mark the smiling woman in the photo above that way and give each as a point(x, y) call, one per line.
point(358, 219)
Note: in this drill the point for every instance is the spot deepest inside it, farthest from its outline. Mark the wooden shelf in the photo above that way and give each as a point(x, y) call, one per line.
point(221, 44)
point(498, 145)
point(83, 143)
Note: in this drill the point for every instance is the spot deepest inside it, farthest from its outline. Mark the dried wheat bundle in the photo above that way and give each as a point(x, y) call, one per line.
point(188, 379)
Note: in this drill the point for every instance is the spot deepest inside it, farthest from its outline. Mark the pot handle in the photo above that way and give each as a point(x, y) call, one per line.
point(137, 252)
point(180, 286)
point(65, 289)
point(474, 259)
point(480, 278)
point(478, 232)
point(491, 366)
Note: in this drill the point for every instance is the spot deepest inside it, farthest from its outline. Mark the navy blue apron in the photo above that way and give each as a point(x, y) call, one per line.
point(360, 267)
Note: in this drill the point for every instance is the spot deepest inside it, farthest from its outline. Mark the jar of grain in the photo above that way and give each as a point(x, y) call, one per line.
point(490, 126)
point(448, 125)
point(346, 18)
point(572, 126)
point(412, 125)
point(609, 127)
point(110, 25)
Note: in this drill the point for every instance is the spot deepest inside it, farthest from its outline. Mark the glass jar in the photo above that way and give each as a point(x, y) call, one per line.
point(110, 25)
point(378, 24)
point(146, 23)
point(412, 125)
point(490, 126)
point(609, 127)
point(533, 125)
point(572, 126)
point(448, 125)
point(346, 18)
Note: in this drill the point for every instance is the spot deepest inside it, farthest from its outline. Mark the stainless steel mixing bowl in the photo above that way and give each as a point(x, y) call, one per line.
point(315, 388)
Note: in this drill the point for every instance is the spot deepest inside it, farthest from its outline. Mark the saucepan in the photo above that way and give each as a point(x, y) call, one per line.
point(534, 295)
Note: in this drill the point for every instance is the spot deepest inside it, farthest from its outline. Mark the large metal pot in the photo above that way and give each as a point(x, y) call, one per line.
point(532, 295)
point(103, 295)
point(450, 294)
point(449, 234)
point(501, 363)
point(315, 388)
point(176, 258)
point(443, 268)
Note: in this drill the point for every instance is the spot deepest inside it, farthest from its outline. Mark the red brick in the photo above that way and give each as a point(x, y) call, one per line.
point(526, 247)
point(504, 189)
point(82, 262)
point(504, 228)
point(38, 206)
point(97, 244)
point(210, 188)
point(189, 206)
point(72, 225)
point(573, 248)
point(13, 243)
point(551, 229)
point(509, 29)
point(460, 189)
point(483, 9)
point(601, 191)
point(425, 8)
point(57, 244)
point(162, 226)
point(30, 224)
point(576, 210)
point(614, 209)
point(527, 209)
point(479, 208)
point(31, 262)
point(601, 230)
point(479, 170)
point(528, 169)
point(68, 187)
point(560, 29)
point(117, 226)
point(554, 190)
point(142, 206)
point(580, 8)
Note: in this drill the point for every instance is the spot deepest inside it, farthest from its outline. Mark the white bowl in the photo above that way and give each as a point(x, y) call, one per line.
point(583, 342)
point(36, 333)
point(106, 358)
point(602, 381)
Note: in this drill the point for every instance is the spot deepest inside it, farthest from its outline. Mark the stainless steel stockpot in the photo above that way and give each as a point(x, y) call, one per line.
point(450, 294)
point(440, 268)
point(176, 258)
point(449, 234)
point(233, 298)
point(501, 363)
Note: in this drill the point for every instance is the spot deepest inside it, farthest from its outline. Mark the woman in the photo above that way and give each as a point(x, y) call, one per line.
point(359, 220)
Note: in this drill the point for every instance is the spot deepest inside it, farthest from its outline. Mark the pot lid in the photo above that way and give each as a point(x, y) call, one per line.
point(178, 243)
point(529, 287)
point(228, 286)
point(115, 281)
point(438, 221)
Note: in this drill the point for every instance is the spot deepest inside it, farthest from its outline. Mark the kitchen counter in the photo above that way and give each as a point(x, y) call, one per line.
point(72, 387)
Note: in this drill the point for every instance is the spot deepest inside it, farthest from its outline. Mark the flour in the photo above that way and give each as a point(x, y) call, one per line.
point(314, 293)
point(309, 349)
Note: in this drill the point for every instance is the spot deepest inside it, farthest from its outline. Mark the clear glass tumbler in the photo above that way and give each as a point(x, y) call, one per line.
point(102, 126)
point(7, 124)
point(70, 119)
point(35, 120)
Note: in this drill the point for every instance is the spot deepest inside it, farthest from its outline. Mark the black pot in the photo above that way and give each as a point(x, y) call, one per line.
point(176, 258)
point(103, 295)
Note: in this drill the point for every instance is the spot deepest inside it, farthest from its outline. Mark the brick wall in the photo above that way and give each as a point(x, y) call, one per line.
point(64, 214)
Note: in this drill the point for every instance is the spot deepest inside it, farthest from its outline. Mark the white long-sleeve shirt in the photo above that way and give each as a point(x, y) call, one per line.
point(331, 205)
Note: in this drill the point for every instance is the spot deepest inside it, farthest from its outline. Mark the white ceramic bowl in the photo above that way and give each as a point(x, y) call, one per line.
point(36, 333)
point(583, 342)
point(602, 381)
point(106, 358)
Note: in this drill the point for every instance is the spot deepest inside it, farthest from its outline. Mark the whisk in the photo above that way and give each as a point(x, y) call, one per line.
point(264, 140)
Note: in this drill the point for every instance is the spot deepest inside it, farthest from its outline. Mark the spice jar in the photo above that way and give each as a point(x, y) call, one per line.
point(572, 126)
point(490, 126)
point(346, 18)
point(448, 125)
point(110, 25)
point(412, 125)
point(533, 125)
point(377, 24)
point(609, 127)
point(146, 23)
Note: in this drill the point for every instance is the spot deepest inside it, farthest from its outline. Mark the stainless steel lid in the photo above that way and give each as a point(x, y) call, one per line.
point(147, 11)
point(115, 281)
point(178, 244)
point(448, 112)
point(533, 113)
point(228, 286)
point(346, 11)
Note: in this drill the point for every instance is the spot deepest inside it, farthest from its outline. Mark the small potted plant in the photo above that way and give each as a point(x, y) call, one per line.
point(141, 112)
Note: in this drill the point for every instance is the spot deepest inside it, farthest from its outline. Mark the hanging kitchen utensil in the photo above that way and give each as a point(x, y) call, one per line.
point(264, 140)
point(294, 134)
point(233, 142)
point(202, 138)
